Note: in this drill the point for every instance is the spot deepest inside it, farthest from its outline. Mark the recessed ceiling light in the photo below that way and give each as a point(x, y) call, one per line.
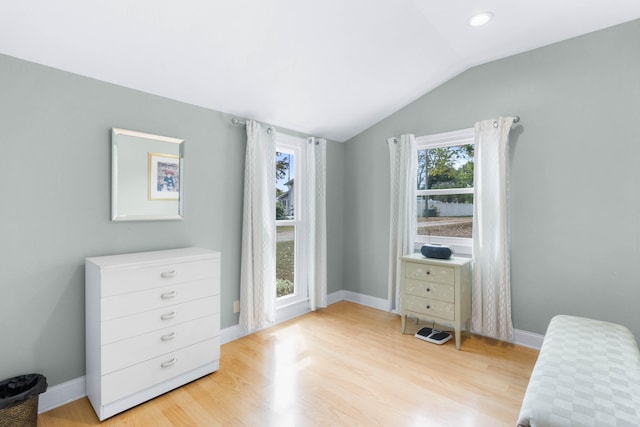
point(480, 18)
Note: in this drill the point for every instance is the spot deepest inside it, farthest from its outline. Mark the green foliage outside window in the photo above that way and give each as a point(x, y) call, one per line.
point(447, 167)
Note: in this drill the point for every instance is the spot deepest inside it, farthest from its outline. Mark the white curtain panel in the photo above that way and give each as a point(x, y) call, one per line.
point(315, 209)
point(491, 291)
point(402, 226)
point(258, 258)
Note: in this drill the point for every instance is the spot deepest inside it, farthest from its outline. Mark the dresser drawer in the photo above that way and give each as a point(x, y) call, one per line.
point(122, 280)
point(429, 307)
point(121, 354)
point(131, 380)
point(433, 290)
point(136, 302)
point(147, 321)
point(431, 273)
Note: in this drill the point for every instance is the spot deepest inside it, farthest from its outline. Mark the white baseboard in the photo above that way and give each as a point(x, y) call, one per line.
point(282, 315)
point(527, 339)
point(366, 300)
point(523, 338)
point(292, 311)
point(61, 394)
point(335, 297)
point(69, 391)
point(231, 333)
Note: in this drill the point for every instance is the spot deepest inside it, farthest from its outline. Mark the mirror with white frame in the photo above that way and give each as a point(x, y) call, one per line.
point(146, 176)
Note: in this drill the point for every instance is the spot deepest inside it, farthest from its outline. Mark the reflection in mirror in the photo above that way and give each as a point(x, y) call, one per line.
point(146, 176)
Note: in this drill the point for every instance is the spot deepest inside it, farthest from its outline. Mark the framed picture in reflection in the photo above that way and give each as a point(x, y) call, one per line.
point(164, 176)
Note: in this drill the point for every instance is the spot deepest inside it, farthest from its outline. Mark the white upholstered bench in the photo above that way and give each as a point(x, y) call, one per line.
point(587, 374)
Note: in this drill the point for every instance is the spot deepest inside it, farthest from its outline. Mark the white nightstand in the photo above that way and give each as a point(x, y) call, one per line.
point(437, 290)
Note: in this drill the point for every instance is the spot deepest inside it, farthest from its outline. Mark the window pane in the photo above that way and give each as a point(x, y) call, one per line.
point(447, 216)
point(284, 185)
point(285, 260)
point(445, 167)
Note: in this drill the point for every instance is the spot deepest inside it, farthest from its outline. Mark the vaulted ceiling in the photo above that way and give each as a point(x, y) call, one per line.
point(328, 68)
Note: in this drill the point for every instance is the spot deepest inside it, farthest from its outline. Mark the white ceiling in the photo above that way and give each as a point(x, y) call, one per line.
point(329, 68)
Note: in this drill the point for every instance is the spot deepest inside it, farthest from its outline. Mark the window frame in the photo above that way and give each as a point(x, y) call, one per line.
point(461, 245)
point(295, 145)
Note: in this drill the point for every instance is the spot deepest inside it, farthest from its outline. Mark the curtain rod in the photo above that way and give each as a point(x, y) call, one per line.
point(237, 121)
point(516, 119)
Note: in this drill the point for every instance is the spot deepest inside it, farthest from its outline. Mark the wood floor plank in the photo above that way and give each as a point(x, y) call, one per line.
point(344, 365)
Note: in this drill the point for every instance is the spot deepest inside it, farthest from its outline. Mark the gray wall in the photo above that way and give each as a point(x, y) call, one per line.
point(577, 147)
point(574, 156)
point(55, 130)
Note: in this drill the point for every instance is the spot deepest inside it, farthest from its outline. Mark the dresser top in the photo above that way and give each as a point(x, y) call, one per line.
point(452, 262)
point(153, 257)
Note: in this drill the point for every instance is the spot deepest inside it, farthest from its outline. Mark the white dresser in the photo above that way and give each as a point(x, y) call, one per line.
point(152, 324)
point(437, 290)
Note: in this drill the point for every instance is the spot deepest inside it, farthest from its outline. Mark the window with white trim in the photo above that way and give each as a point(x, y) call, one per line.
point(290, 266)
point(444, 203)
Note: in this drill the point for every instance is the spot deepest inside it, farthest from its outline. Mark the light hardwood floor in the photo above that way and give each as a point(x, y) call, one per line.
point(343, 365)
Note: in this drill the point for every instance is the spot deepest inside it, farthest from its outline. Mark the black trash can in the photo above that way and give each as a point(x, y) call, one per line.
point(19, 400)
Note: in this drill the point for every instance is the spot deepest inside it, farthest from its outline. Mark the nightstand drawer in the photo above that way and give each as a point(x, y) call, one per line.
point(129, 381)
point(147, 321)
point(431, 273)
point(125, 353)
point(429, 307)
point(119, 281)
point(433, 290)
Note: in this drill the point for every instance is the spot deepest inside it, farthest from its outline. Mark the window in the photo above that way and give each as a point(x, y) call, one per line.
point(290, 288)
point(444, 204)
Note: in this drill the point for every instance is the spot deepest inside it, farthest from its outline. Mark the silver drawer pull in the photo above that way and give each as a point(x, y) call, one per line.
point(168, 274)
point(168, 295)
point(168, 316)
point(169, 363)
point(168, 337)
